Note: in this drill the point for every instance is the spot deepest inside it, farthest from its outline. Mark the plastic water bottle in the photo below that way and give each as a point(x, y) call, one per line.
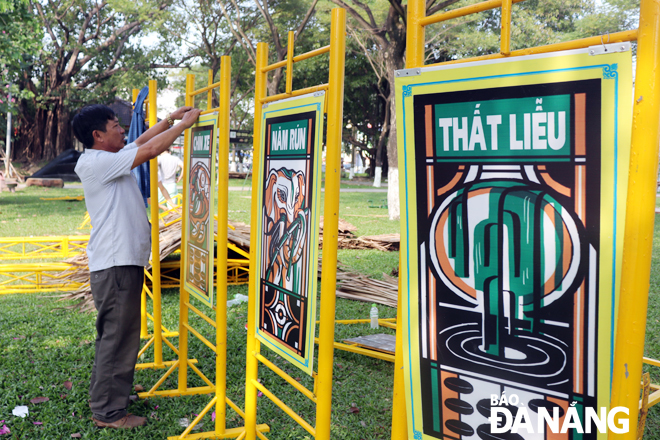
point(374, 316)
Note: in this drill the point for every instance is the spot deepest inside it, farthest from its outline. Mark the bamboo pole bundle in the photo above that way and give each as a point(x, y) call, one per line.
point(348, 240)
point(350, 285)
point(359, 287)
point(170, 241)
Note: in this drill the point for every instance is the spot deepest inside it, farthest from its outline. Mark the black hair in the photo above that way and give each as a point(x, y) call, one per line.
point(90, 118)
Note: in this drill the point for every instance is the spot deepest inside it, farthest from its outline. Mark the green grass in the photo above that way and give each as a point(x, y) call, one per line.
point(23, 213)
point(42, 345)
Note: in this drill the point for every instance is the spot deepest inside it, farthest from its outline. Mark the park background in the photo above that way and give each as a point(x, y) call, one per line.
point(57, 56)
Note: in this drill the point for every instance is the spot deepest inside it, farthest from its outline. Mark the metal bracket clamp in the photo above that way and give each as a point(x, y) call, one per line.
point(408, 72)
point(601, 49)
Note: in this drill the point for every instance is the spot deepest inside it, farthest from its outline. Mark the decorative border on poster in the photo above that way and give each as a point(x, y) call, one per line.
point(199, 198)
point(283, 279)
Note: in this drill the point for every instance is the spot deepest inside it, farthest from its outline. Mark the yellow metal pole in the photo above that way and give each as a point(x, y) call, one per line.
point(221, 269)
point(289, 63)
point(414, 58)
point(144, 329)
point(505, 38)
point(184, 296)
point(399, 416)
point(415, 34)
point(155, 236)
point(252, 365)
point(640, 213)
point(331, 222)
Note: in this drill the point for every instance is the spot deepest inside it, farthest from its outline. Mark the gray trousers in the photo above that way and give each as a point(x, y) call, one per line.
point(116, 293)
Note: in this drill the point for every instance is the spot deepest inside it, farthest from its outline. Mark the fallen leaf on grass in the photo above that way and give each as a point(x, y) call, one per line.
point(139, 388)
point(76, 435)
point(184, 423)
point(20, 411)
point(37, 400)
point(4, 430)
point(68, 384)
point(364, 425)
point(62, 396)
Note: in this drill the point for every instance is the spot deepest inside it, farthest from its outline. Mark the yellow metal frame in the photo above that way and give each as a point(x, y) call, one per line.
point(35, 278)
point(642, 186)
point(355, 348)
point(322, 394)
point(151, 288)
point(223, 265)
point(16, 276)
point(24, 248)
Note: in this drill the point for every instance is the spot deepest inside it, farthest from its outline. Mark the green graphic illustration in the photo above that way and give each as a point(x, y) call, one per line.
point(514, 246)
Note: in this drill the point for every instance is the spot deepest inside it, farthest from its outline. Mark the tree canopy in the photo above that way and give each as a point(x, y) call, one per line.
point(58, 55)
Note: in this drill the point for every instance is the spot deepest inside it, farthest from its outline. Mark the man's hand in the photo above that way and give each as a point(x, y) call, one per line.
point(178, 113)
point(154, 143)
point(189, 117)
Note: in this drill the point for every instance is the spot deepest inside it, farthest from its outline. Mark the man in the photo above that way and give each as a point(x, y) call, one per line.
point(118, 249)
point(168, 167)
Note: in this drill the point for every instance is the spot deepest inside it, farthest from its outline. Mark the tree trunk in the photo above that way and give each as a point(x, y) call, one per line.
point(31, 144)
point(63, 141)
point(50, 135)
point(382, 143)
point(274, 83)
point(392, 153)
point(215, 68)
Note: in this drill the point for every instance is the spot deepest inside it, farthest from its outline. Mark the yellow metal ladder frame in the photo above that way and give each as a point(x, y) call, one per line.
point(322, 393)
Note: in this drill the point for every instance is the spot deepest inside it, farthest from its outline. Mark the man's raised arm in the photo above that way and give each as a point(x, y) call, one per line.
point(159, 138)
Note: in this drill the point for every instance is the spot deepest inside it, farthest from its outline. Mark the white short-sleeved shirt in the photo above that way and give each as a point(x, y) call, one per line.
point(167, 167)
point(121, 235)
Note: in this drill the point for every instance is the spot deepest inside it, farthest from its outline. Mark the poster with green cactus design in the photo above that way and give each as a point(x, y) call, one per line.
point(513, 188)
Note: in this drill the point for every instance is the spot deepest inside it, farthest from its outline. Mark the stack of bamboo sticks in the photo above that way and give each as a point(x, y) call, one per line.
point(358, 287)
point(170, 241)
point(350, 285)
point(348, 240)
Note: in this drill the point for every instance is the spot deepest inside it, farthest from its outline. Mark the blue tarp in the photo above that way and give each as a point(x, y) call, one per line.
point(140, 172)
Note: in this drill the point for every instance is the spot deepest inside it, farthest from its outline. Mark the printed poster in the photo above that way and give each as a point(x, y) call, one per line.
point(513, 207)
point(288, 227)
point(199, 194)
